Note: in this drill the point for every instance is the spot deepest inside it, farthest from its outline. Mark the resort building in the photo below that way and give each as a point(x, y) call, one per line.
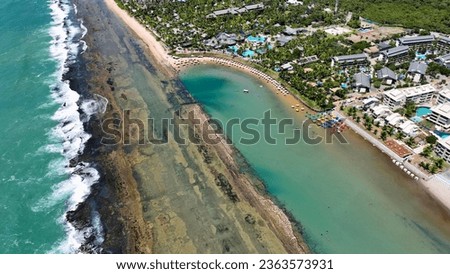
point(444, 60)
point(420, 94)
point(443, 45)
point(361, 82)
point(384, 46)
point(350, 60)
point(235, 11)
point(292, 32)
point(387, 76)
point(417, 42)
point(409, 128)
point(254, 7)
point(287, 67)
point(397, 54)
point(294, 2)
point(369, 102)
point(223, 40)
point(417, 70)
point(381, 111)
point(217, 13)
point(444, 96)
point(307, 60)
point(283, 39)
point(443, 149)
point(440, 115)
point(395, 119)
point(396, 98)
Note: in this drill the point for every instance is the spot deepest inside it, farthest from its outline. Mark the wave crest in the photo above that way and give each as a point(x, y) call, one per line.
point(66, 45)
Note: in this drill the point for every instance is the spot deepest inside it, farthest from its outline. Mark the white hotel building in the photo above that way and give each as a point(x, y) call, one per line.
point(443, 149)
point(444, 96)
point(441, 115)
point(396, 98)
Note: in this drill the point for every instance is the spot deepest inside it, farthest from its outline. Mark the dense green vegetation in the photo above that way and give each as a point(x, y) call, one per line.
point(432, 15)
point(434, 69)
point(176, 21)
point(185, 24)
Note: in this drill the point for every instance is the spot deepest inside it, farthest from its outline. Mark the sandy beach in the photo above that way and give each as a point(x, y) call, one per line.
point(158, 51)
point(162, 56)
point(435, 185)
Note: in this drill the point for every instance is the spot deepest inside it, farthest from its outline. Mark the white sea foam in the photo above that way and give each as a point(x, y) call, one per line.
point(94, 106)
point(69, 134)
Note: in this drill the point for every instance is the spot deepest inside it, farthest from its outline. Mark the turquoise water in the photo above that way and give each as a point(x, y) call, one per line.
point(416, 119)
point(248, 53)
point(26, 109)
point(421, 56)
point(441, 134)
point(422, 111)
point(41, 128)
point(254, 39)
point(349, 198)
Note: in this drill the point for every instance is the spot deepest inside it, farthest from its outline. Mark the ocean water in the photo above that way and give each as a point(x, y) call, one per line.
point(41, 128)
point(349, 198)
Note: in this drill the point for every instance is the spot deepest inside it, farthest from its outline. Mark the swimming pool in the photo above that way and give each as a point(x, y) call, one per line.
point(255, 39)
point(421, 56)
point(248, 53)
point(416, 119)
point(422, 111)
point(441, 134)
point(233, 49)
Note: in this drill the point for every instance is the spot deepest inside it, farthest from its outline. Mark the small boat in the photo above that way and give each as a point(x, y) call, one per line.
point(245, 90)
point(303, 109)
point(292, 106)
point(297, 109)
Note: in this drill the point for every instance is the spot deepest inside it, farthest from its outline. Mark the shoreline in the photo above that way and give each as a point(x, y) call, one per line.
point(156, 48)
point(435, 191)
point(262, 226)
point(161, 54)
point(273, 85)
point(431, 184)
